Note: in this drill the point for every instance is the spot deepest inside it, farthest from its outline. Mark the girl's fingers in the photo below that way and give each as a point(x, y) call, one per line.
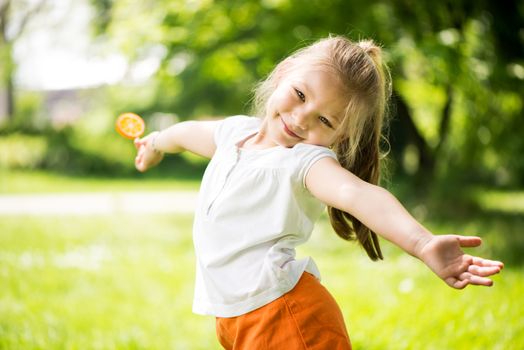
point(485, 262)
point(456, 283)
point(137, 142)
point(475, 280)
point(483, 271)
point(138, 163)
point(469, 241)
point(474, 277)
point(470, 269)
point(139, 159)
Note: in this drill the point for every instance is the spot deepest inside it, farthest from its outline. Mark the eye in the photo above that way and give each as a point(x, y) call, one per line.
point(325, 121)
point(300, 95)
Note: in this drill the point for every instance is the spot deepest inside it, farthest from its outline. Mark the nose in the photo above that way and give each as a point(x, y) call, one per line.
point(301, 118)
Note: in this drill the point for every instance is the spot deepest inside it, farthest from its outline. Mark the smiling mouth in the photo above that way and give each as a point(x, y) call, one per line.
point(288, 131)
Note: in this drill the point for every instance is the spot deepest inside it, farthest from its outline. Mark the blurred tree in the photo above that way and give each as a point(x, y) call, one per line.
point(457, 66)
point(468, 53)
point(14, 17)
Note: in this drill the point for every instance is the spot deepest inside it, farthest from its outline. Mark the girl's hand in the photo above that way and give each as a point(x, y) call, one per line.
point(444, 256)
point(147, 157)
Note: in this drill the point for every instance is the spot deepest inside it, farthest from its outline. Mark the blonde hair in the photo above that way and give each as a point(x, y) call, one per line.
point(366, 79)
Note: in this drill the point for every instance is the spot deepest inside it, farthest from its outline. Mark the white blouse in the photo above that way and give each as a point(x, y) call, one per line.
point(253, 210)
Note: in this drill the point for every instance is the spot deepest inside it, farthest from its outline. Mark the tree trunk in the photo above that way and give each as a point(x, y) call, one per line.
point(10, 97)
point(6, 73)
point(7, 85)
point(426, 157)
point(6, 49)
point(445, 121)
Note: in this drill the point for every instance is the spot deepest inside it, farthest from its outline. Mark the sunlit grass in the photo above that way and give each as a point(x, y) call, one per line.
point(15, 181)
point(399, 304)
point(99, 283)
point(126, 282)
point(504, 201)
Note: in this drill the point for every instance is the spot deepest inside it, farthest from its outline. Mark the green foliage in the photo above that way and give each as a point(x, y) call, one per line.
point(83, 140)
point(28, 118)
point(22, 151)
point(457, 69)
point(440, 53)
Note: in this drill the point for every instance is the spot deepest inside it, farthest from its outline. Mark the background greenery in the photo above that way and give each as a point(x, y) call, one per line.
point(125, 282)
point(457, 67)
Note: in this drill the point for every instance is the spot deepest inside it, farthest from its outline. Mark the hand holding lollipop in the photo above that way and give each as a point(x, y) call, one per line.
point(131, 126)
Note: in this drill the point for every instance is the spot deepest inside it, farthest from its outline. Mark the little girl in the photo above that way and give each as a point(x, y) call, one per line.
point(315, 143)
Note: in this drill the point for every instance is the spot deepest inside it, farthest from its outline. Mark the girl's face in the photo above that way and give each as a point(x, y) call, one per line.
point(306, 107)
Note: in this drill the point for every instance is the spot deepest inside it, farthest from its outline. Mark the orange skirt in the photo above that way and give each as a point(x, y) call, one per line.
point(307, 317)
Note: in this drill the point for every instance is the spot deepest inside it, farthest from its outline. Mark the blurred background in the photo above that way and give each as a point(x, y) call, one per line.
point(68, 68)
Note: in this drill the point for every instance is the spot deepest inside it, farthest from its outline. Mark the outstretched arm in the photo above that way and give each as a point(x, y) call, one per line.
point(379, 210)
point(194, 136)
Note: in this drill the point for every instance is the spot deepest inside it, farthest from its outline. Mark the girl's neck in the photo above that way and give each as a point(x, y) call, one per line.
point(258, 140)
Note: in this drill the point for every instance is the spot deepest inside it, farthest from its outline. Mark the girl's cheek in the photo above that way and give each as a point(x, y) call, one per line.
point(281, 100)
point(286, 99)
point(273, 103)
point(270, 104)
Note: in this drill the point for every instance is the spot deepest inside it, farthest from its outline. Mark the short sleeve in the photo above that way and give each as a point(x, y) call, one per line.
point(307, 155)
point(230, 129)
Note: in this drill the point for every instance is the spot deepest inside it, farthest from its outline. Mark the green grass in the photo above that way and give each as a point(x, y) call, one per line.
point(399, 304)
point(99, 283)
point(505, 201)
point(126, 282)
point(23, 181)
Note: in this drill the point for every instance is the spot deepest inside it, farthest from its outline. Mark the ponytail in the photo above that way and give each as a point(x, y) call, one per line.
point(366, 166)
point(361, 66)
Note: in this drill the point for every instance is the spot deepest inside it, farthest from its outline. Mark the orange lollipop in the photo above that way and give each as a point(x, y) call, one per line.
point(130, 125)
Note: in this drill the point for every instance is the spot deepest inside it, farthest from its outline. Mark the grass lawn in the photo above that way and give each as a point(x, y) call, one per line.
point(126, 282)
point(23, 181)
